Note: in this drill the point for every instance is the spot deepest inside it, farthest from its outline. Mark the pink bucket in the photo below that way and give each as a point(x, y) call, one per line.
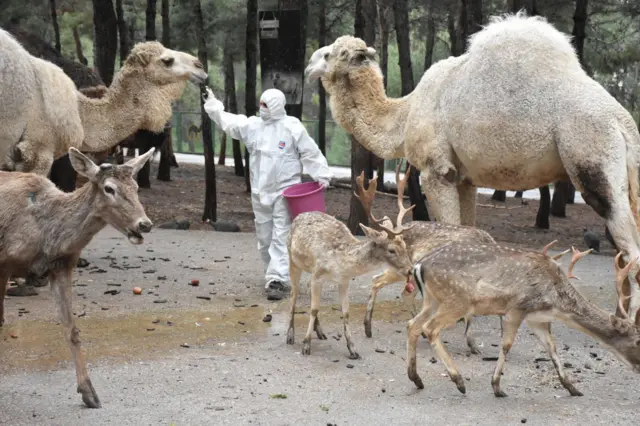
point(305, 197)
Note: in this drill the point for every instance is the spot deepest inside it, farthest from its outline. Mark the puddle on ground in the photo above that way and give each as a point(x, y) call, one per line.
point(40, 345)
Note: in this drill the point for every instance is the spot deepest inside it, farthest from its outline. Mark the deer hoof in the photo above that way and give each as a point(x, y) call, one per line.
point(89, 395)
point(354, 355)
point(500, 394)
point(418, 382)
point(459, 384)
point(367, 327)
point(573, 391)
point(306, 348)
point(291, 338)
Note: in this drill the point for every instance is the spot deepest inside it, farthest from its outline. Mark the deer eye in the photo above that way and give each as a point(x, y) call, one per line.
point(326, 56)
point(109, 190)
point(168, 61)
point(392, 250)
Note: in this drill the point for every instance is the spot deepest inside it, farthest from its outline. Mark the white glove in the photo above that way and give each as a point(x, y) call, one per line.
point(324, 183)
point(211, 103)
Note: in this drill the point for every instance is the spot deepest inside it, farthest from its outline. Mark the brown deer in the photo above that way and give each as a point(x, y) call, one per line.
point(479, 279)
point(420, 238)
point(43, 230)
point(324, 247)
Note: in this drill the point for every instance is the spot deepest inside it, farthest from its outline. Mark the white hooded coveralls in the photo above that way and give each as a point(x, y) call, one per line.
point(279, 147)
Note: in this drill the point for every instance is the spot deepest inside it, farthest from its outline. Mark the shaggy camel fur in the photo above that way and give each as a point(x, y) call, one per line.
point(516, 111)
point(42, 114)
point(44, 230)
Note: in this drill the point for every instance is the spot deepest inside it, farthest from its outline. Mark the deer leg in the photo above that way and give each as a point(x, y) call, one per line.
point(344, 301)
point(294, 274)
point(414, 330)
point(445, 316)
point(380, 281)
point(542, 330)
point(511, 324)
point(314, 324)
point(61, 288)
point(471, 342)
point(467, 194)
point(3, 288)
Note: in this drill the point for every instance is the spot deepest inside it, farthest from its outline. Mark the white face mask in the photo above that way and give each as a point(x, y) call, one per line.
point(264, 113)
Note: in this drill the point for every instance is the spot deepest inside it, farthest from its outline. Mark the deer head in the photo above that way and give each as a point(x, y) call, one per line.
point(116, 200)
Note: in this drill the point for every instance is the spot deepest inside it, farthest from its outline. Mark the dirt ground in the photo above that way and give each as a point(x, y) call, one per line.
point(510, 222)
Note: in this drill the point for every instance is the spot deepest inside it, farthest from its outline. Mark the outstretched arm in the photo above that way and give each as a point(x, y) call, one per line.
point(313, 162)
point(234, 125)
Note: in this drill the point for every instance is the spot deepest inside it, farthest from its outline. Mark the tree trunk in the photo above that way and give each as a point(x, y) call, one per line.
point(361, 158)
point(401, 22)
point(79, 53)
point(210, 201)
point(251, 63)
point(106, 38)
point(222, 156)
point(385, 30)
point(150, 20)
point(470, 21)
point(166, 23)
point(542, 218)
point(431, 36)
point(453, 32)
point(499, 195)
point(232, 103)
point(56, 27)
point(322, 95)
point(122, 32)
point(401, 18)
point(166, 152)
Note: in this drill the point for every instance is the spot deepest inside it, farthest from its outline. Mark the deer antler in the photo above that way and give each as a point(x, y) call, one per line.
point(546, 248)
point(559, 255)
point(577, 255)
point(401, 184)
point(621, 275)
point(365, 197)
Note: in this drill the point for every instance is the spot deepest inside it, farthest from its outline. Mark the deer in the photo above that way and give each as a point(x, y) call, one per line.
point(43, 230)
point(323, 246)
point(420, 238)
point(467, 278)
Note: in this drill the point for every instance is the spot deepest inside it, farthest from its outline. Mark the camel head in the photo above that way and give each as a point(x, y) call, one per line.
point(116, 193)
point(337, 60)
point(163, 66)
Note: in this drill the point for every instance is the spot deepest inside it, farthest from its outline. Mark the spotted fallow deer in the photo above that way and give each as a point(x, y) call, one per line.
point(43, 230)
point(324, 247)
point(479, 279)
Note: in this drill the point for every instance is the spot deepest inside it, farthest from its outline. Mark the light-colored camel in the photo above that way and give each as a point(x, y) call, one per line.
point(516, 111)
point(42, 114)
point(44, 230)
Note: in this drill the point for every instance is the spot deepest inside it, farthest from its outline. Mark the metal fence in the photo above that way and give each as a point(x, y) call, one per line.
point(187, 138)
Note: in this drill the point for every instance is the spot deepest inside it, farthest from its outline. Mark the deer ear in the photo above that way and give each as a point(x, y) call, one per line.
point(370, 233)
point(138, 162)
point(83, 164)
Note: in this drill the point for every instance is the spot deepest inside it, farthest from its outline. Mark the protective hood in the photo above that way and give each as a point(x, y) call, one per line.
point(275, 101)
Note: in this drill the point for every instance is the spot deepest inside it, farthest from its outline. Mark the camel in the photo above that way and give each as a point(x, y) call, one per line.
point(42, 114)
point(515, 111)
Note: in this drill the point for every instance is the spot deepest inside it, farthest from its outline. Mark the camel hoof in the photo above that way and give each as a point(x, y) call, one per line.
point(22, 291)
point(291, 338)
point(89, 395)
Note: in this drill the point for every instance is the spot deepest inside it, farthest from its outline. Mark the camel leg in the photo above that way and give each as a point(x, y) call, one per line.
point(380, 281)
point(441, 191)
point(61, 288)
point(294, 275)
point(467, 194)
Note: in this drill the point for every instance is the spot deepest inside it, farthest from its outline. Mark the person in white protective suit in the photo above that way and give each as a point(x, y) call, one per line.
point(279, 148)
